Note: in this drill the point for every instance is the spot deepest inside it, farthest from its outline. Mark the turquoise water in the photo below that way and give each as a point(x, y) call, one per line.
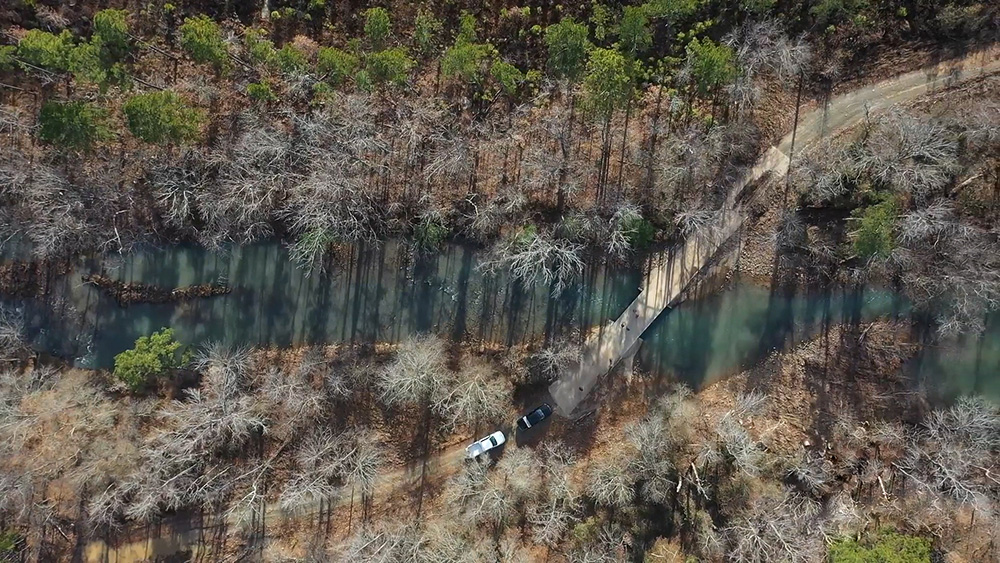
point(966, 365)
point(705, 339)
point(384, 293)
point(381, 293)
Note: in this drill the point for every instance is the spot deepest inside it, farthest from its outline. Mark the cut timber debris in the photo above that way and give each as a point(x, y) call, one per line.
point(130, 293)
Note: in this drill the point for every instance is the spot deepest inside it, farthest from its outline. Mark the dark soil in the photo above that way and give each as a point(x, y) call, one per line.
point(126, 293)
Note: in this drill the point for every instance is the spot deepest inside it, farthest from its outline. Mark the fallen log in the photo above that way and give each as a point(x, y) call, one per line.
point(129, 293)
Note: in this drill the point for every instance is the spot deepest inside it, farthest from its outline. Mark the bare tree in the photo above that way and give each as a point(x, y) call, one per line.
point(416, 374)
point(177, 185)
point(654, 458)
point(549, 362)
point(516, 472)
point(487, 218)
point(914, 155)
point(12, 336)
point(609, 547)
point(16, 494)
point(612, 483)
point(477, 394)
point(955, 450)
point(251, 183)
point(536, 258)
point(384, 544)
point(617, 238)
point(762, 49)
point(813, 472)
point(741, 449)
point(949, 266)
point(825, 173)
point(776, 528)
point(480, 495)
point(328, 461)
point(553, 512)
point(226, 370)
point(295, 403)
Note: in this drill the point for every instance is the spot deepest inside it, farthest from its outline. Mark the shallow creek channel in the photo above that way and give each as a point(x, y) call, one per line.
point(385, 293)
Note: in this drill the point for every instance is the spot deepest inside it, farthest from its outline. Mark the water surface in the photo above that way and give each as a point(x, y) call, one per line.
point(385, 292)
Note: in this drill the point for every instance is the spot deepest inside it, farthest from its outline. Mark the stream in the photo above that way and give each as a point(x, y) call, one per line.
point(384, 293)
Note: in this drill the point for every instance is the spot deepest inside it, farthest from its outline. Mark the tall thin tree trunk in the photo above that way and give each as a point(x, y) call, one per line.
point(621, 157)
point(647, 184)
point(565, 145)
point(791, 148)
point(602, 173)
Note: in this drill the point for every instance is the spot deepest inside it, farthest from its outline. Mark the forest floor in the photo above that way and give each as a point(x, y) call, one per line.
point(808, 388)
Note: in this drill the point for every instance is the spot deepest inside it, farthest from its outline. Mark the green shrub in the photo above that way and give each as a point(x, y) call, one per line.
point(608, 84)
point(426, 29)
point(391, 66)
point(291, 60)
point(10, 543)
point(378, 26)
point(466, 28)
point(364, 80)
point(601, 20)
point(152, 356)
point(832, 12)
point(886, 547)
point(568, 46)
point(961, 21)
point(162, 117)
point(322, 92)
point(508, 76)
point(336, 65)
point(639, 232)
point(634, 34)
point(111, 36)
point(261, 92)
point(202, 39)
point(524, 236)
point(758, 6)
point(260, 49)
point(712, 64)
point(585, 533)
point(45, 50)
point(75, 125)
point(875, 235)
point(430, 233)
point(7, 54)
point(84, 61)
point(311, 246)
point(671, 9)
point(467, 61)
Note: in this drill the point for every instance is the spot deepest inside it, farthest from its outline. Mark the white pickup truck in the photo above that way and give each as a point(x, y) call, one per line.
point(486, 444)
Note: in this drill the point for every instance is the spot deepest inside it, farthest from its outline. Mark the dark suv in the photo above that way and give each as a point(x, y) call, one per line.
point(534, 417)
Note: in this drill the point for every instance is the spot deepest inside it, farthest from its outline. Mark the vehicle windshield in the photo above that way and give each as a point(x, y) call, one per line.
point(493, 441)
